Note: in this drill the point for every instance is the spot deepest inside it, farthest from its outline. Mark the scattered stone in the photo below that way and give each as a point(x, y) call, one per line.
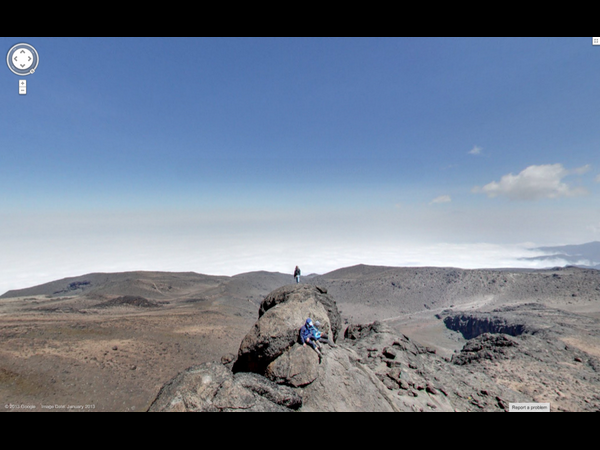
point(228, 359)
point(486, 346)
point(129, 300)
point(502, 404)
point(389, 353)
point(431, 389)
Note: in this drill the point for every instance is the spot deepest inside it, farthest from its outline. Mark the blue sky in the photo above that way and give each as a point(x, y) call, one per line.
point(228, 155)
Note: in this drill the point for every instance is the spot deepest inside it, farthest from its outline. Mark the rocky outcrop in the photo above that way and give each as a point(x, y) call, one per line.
point(417, 379)
point(472, 325)
point(296, 367)
point(276, 332)
point(345, 384)
point(371, 369)
point(291, 294)
point(212, 387)
point(546, 353)
point(487, 346)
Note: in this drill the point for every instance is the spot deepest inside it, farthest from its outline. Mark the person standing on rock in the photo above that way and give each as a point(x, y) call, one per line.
point(297, 274)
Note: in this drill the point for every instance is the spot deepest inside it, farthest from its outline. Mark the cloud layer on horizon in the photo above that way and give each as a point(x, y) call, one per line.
point(34, 263)
point(43, 247)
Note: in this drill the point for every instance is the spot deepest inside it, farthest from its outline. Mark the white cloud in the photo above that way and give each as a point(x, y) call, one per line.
point(35, 261)
point(441, 199)
point(475, 150)
point(597, 179)
point(41, 247)
point(534, 183)
point(581, 170)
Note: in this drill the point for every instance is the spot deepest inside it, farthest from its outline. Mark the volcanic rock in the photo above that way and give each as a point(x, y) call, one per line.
point(298, 366)
point(281, 316)
point(293, 293)
point(211, 387)
point(373, 370)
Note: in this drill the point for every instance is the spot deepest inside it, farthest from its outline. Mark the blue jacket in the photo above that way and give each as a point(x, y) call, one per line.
point(308, 331)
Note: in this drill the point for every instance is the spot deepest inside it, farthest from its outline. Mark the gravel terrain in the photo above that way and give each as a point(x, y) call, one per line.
point(109, 342)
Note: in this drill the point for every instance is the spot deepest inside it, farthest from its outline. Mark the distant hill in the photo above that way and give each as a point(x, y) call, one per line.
point(582, 255)
point(364, 292)
point(368, 293)
point(159, 286)
point(152, 285)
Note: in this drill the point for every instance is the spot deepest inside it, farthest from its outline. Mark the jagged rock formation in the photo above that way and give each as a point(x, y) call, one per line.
point(548, 354)
point(417, 379)
point(472, 325)
point(371, 369)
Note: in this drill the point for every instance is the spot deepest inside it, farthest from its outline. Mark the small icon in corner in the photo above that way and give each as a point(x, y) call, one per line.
point(22, 59)
point(596, 41)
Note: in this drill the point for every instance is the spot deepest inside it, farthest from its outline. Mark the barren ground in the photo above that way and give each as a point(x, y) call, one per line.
point(108, 342)
point(115, 359)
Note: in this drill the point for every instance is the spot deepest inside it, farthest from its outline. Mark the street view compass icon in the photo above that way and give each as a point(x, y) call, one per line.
point(22, 59)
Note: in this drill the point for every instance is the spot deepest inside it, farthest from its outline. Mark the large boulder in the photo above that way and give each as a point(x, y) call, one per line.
point(296, 367)
point(295, 292)
point(212, 387)
point(281, 316)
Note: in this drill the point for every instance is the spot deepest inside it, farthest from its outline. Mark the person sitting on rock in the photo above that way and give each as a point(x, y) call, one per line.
point(310, 334)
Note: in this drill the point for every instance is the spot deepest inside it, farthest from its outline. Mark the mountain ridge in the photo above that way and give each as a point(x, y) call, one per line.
point(585, 255)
